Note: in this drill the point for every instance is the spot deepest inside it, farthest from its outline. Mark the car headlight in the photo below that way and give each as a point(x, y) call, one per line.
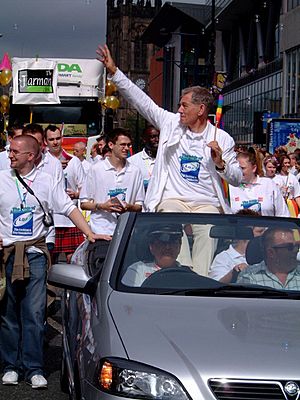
point(139, 381)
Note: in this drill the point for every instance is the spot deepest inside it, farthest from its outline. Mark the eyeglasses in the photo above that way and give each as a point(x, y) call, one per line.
point(167, 238)
point(18, 153)
point(288, 246)
point(124, 145)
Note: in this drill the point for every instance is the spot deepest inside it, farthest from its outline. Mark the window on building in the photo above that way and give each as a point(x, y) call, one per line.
point(140, 55)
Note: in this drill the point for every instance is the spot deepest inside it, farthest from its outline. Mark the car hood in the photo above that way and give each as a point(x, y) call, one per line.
point(210, 337)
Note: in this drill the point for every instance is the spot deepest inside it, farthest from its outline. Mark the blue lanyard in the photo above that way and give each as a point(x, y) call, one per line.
point(23, 200)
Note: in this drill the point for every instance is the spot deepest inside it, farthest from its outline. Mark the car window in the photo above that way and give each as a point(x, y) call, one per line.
point(184, 251)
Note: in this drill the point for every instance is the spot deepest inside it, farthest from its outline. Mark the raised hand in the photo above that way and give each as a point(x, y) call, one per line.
point(103, 55)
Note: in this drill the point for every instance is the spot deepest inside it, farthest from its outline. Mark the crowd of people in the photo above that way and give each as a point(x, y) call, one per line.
point(183, 167)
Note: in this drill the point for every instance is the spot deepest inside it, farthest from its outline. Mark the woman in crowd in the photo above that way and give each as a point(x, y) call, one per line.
point(256, 192)
point(270, 166)
point(288, 185)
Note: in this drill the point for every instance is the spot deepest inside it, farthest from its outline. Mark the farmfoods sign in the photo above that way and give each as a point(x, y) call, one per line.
point(35, 81)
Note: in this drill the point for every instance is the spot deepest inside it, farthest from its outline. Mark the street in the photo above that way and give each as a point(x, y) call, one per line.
point(52, 370)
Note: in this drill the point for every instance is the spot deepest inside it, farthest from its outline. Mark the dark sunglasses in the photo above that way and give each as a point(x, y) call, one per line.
point(288, 246)
point(166, 238)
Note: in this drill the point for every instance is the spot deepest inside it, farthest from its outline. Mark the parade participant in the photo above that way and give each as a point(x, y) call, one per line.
point(255, 192)
point(279, 269)
point(101, 141)
point(145, 159)
point(288, 185)
point(121, 187)
point(190, 162)
point(14, 131)
point(27, 198)
point(50, 165)
point(293, 160)
point(95, 153)
point(79, 150)
point(270, 166)
point(68, 237)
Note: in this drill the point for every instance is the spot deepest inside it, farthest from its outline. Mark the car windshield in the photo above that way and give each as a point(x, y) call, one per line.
point(208, 254)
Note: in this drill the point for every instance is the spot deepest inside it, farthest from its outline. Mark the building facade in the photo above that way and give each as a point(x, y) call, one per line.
point(126, 21)
point(259, 48)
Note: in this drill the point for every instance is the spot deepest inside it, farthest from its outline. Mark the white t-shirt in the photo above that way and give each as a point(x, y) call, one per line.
point(145, 163)
point(105, 182)
point(262, 196)
point(4, 159)
point(74, 177)
point(288, 185)
point(189, 178)
point(20, 213)
point(86, 166)
point(224, 262)
point(52, 166)
point(138, 272)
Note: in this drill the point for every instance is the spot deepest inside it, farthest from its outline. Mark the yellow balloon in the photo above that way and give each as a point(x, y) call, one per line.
point(110, 88)
point(5, 77)
point(4, 100)
point(4, 109)
point(111, 102)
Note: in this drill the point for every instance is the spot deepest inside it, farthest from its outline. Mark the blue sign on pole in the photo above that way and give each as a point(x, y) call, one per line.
point(284, 132)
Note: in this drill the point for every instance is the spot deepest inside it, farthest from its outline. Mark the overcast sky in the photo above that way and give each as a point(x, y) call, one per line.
point(54, 28)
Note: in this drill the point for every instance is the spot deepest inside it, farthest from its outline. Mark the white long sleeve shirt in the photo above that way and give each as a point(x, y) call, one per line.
point(171, 132)
point(20, 213)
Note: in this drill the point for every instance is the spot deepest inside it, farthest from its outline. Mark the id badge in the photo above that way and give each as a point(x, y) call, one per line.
point(22, 222)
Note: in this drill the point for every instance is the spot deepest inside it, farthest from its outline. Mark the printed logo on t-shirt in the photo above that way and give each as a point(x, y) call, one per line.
point(190, 167)
point(118, 192)
point(252, 205)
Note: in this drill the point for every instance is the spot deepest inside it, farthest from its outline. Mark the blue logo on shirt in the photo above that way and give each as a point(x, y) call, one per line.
point(190, 167)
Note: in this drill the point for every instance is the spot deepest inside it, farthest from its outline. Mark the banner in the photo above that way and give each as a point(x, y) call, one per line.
point(34, 81)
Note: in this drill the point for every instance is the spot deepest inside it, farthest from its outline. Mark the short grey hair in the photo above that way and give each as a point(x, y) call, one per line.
point(200, 95)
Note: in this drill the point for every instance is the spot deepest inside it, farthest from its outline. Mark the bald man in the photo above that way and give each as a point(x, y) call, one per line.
point(79, 150)
point(26, 258)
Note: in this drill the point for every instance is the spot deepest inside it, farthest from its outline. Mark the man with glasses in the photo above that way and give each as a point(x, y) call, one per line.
point(113, 185)
point(23, 229)
point(164, 242)
point(279, 269)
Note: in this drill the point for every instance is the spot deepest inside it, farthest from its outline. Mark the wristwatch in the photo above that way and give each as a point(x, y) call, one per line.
point(221, 169)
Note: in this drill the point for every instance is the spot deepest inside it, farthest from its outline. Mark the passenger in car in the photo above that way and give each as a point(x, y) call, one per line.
point(164, 244)
point(279, 269)
point(233, 258)
point(228, 260)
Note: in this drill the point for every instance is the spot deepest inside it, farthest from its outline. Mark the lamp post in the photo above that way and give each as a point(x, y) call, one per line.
point(212, 46)
point(180, 66)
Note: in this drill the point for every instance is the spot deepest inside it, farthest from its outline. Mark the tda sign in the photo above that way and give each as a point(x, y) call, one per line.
point(62, 67)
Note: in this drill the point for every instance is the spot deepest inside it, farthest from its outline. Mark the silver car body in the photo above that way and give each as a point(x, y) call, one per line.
point(242, 344)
